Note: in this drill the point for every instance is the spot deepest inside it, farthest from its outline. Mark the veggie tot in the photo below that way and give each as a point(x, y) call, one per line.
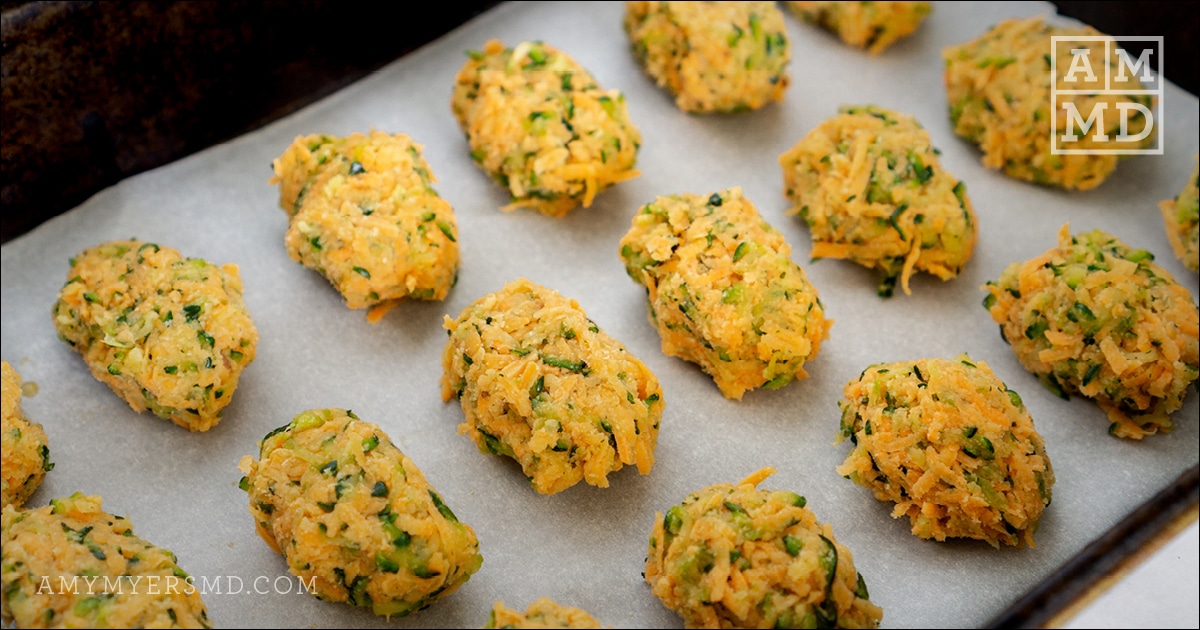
point(723, 291)
point(354, 516)
point(872, 26)
point(712, 56)
point(72, 565)
point(166, 333)
point(869, 185)
point(541, 383)
point(1182, 218)
point(26, 457)
point(998, 87)
point(362, 212)
point(1093, 316)
point(734, 556)
point(542, 613)
point(951, 446)
point(539, 125)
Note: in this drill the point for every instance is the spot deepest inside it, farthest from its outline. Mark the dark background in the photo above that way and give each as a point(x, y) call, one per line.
point(82, 103)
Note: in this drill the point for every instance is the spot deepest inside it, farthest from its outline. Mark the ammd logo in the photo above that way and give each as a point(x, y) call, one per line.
point(1107, 82)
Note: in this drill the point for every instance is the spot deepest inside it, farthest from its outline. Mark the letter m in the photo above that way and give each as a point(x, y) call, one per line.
point(213, 587)
point(1140, 69)
point(1075, 119)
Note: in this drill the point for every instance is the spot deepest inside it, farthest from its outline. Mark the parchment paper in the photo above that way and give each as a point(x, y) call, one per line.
point(586, 547)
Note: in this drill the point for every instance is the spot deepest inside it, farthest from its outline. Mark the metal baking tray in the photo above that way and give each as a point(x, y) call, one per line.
point(586, 547)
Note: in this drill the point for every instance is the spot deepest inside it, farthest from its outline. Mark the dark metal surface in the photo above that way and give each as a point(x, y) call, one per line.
point(93, 92)
point(1177, 22)
point(1102, 556)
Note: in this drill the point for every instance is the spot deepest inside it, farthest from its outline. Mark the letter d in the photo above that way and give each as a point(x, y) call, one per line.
point(1124, 108)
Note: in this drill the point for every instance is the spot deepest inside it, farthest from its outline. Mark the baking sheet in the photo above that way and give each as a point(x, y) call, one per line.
point(585, 547)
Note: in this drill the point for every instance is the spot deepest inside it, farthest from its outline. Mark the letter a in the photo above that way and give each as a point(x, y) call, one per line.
point(1080, 61)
